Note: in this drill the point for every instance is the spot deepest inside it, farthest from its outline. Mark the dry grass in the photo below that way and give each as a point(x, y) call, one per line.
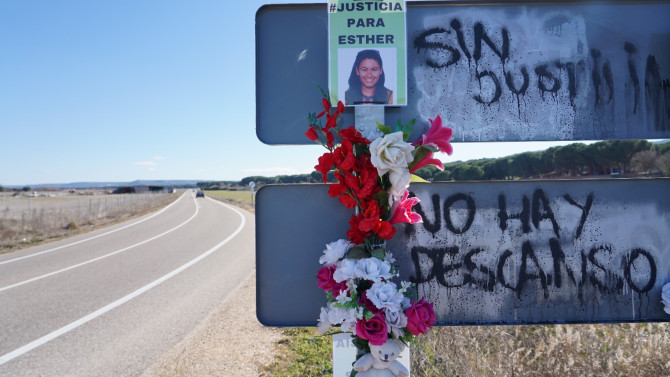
point(641, 349)
point(26, 221)
point(241, 199)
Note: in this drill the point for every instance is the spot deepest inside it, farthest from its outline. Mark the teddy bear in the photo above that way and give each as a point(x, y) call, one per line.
point(381, 361)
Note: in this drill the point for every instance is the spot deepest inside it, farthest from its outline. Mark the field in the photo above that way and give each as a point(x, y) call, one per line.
point(640, 349)
point(238, 198)
point(29, 220)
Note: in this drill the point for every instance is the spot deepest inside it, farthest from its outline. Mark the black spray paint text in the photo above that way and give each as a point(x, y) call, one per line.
point(549, 77)
point(535, 264)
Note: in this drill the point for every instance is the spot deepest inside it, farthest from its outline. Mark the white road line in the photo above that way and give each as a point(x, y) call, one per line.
point(67, 328)
point(8, 287)
point(94, 237)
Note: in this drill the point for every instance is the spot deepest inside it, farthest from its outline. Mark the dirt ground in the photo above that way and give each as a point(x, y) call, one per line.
point(220, 347)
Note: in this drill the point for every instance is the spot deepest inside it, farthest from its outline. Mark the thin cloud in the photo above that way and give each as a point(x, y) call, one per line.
point(144, 163)
point(280, 170)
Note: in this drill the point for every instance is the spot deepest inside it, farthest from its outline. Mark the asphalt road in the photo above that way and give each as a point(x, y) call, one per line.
point(110, 302)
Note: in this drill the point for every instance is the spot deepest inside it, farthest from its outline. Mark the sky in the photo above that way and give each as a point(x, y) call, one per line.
point(153, 89)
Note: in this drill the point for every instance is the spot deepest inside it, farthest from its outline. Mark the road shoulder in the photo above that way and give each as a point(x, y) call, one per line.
point(229, 342)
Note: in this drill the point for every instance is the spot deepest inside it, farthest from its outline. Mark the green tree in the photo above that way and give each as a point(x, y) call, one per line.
point(570, 158)
point(443, 176)
point(661, 148)
point(427, 172)
point(495, 169)
point(522, 165)
point(468, 172)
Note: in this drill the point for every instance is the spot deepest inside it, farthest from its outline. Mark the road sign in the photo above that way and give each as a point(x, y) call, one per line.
point(531, 252)
point(499, 71)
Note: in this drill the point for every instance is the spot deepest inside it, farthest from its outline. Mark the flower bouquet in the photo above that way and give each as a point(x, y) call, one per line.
point(371, 174)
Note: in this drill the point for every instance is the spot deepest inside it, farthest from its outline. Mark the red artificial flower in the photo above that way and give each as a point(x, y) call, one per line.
point(337, 189)
point(330, 139)
point(353, 135)
point(340, 107)
point(326, 107)
point(345, 156)
point(385, 231)
point(373, 330)
point(348, 201)
point(311, 134)
point(354, 234)
point(403, 213)
point(437, 136)
point(325, 165)
point(371, 223)
point(420, 317)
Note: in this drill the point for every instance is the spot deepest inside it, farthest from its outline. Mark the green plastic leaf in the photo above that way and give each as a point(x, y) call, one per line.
point(407, 129)
point(358, 253)
point(384, 129)
point(324, 93)
point(379, 253)
point(416, 178)
point(430, 148)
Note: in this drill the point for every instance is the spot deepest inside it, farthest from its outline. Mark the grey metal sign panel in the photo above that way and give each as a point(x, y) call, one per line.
point(531, 252)
point(497, 71)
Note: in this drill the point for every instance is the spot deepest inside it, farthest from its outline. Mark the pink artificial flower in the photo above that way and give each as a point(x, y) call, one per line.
point(427, 160)
point(403, 213)
point(420, 317)
point(327, 283)
point(437, 136)
point(373, 330)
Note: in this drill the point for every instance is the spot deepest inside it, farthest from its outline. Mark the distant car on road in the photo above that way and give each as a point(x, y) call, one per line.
point(200, 194)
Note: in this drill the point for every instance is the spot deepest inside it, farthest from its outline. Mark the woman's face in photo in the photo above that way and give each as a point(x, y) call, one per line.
point(369, 71)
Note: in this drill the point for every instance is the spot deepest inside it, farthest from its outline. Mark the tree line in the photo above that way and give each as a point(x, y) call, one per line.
point(611, 158)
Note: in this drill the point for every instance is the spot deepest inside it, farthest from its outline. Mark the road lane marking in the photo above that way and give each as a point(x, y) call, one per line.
point(94, 237)
point(81, 321)
point(8, 287)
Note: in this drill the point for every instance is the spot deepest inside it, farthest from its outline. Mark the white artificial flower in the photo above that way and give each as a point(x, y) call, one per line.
point(385, 296)
point(404, 286)
point(351, 286)
point(345, 271)
point(665, 296)
point(400, 179)
point(335, 251)
point(391, 152)
point(396, 322)
point(372, 269)
point(349, 322)
point(389, 257)
point(406, 303)
point(324, 324)
point(343, 297)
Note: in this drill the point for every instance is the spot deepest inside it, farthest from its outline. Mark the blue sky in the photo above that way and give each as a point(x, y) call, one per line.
point(152, 89)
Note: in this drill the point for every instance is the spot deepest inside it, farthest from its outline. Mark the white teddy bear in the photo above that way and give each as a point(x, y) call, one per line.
point(381, 361)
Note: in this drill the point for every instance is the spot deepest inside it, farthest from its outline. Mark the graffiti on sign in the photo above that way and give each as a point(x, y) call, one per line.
point(541, 72)
point(538, 252)
point(500, 71)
